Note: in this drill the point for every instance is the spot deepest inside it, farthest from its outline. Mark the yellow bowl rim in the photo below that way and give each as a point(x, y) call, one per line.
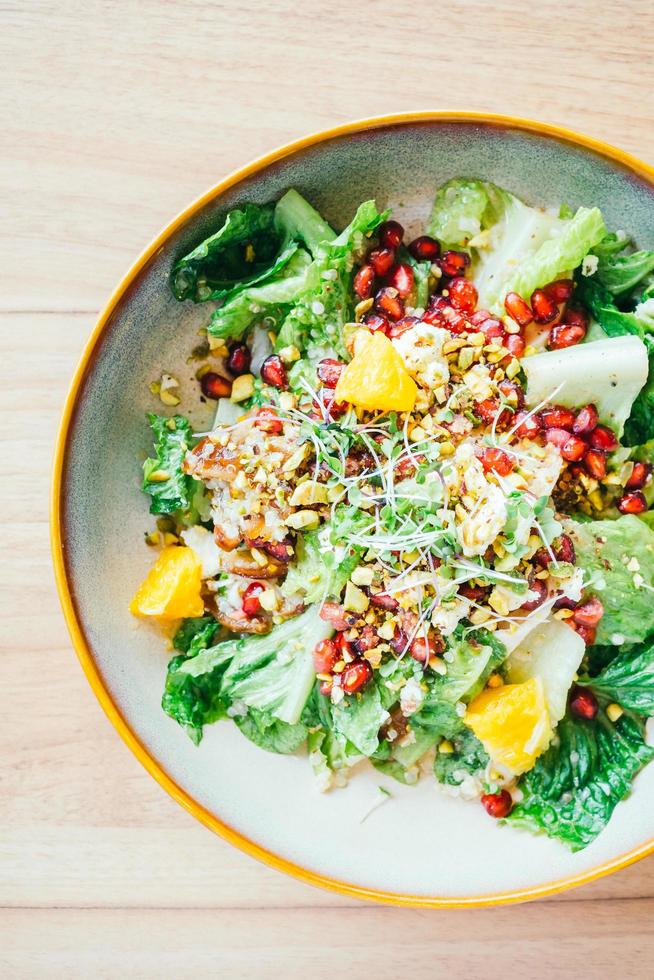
point(80, 643)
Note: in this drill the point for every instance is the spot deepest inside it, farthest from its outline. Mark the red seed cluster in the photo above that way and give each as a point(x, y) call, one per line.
point(497, 805)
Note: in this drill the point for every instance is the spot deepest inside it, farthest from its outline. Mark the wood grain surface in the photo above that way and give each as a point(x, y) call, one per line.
point(114, 115)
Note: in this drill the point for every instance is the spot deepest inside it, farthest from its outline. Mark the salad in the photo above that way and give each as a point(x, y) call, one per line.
point(417, 532)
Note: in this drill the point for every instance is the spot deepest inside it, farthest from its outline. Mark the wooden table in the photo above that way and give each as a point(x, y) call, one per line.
point(114, 116)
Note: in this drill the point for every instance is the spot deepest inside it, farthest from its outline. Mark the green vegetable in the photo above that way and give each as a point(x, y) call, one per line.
point(298, 221)
point(621, 273)
point(195, 635)
point(514, 247)
point(628, 679)
point(358, 717)
point(609, 373)
point(246, 249)
point(575, 786)
point(326, 302)
point(275, 672)
point(268, 302)
point(315, 573)
point(469, 758)
point(192, 695)
point(270, 733)
point(171, 490)
point(618, 562)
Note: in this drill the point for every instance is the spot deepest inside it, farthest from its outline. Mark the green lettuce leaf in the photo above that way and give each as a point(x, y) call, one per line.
point(193, 696)
point(315, 573)
point(327, 300)
point(270, 733)
point(298, 221)
point(628, 678)
point(173, 437)
point(609, 553)
point(469, 758)
point(358, 718)
point(575, 786)
point(622, 273)
point(609, 372)
point(246, 249)
point(458, 212)
point(195, 634)
point(267, 303)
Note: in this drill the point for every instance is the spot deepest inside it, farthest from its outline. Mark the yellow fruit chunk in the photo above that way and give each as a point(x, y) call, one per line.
point(376, 378)
point(512, 723)
point(171, 589)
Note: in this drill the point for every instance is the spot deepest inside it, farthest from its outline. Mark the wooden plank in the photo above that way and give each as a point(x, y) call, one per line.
point(531, 941)
point(117, 115)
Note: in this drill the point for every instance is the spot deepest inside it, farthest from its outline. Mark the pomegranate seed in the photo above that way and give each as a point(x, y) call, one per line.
point(473, 592)
point(215, 386)
point(401, 278)
point(384, 601)
point(390, 234)
point(333, 612)
point(496, 461)
point(512, 393)
point(462, 294)
point(238, 361)
point(364, 281)
point(489, 409)
point(402, 325)
point(565, 335)
point(497, 805)
point(422, 650)
point(368, 639)
point(382, 260)
point(515, 344)
point(527, 426)
point(425, 248)
point(454, 320)
point(326, 688)
point(564, 603)
point(388, 302)
point(343, 647)
point(586, 420)
point(535, 585)
point(560, 291)
point(583, 703)
point(632, 503)
point(480, 316)
point(333, 408)
point(281, 551)
point(545, 308)
point(559, 438)
point(453, 263)
point(325, 655)
point(273, 372)
point(575, 317)
point(639, 476)
point(375, 322)
point(269, 421)
point(587, 633)
point(562, 549)
point(329, 371)
point(250, 602)
point(573, 449)
point(558, 417)
point(491, 328)
point(355, 676)
point(589, 613)
point(399, 641)
point(595, 463)
point(517, 309)
point(603, 438)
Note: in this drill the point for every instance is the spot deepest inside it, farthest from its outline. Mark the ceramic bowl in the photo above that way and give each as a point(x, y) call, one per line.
point(421, 847)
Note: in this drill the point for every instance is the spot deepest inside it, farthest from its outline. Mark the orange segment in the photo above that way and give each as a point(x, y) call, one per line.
point(512, 723)
point(171, 589)
point(376, 378)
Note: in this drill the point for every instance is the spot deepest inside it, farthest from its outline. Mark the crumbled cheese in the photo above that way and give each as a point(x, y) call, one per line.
point(421, 349)
point(589, 265)
point(411, 697)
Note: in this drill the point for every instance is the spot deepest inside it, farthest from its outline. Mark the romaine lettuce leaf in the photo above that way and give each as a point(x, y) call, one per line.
point(298, 221)
point(269, 733)
point(513, 246)
point(608, 372)
point(469, 758)
point(358, 718)
point(268, 302)
point(618, 562)
point(195, 635)
point(171, 490)
point(575, 786)
point(315, 573)
point(628, 678)
point(326, 302)
point(621, 273)
point(246, 249)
